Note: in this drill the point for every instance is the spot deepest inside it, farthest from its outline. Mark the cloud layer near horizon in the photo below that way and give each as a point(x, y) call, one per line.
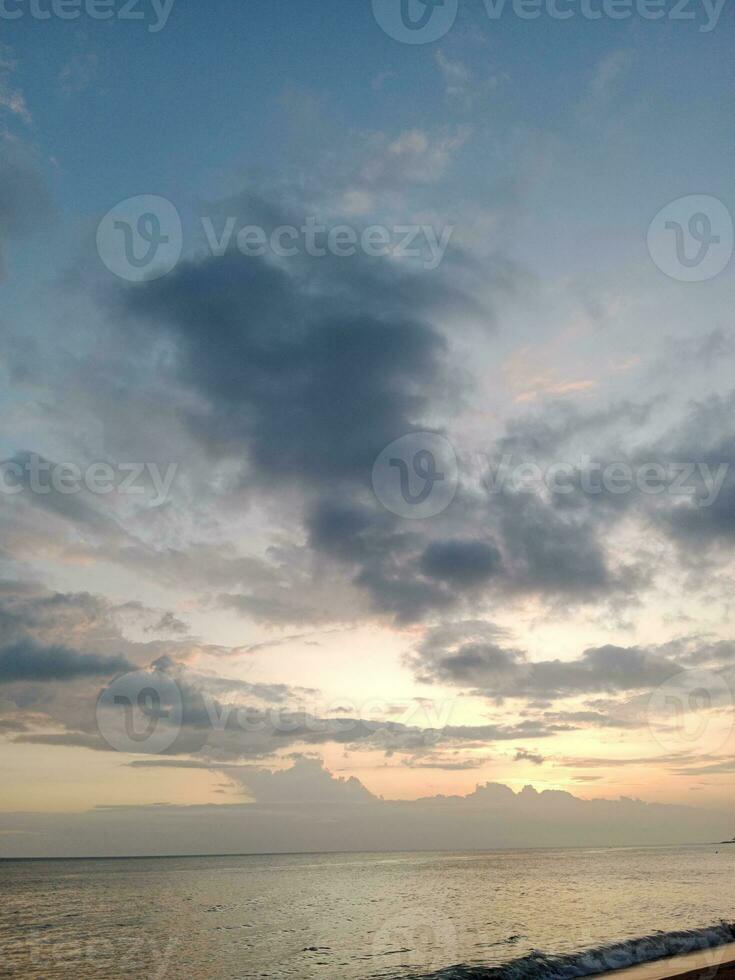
point(307, 809)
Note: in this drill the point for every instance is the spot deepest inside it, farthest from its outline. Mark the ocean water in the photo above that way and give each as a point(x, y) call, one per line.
point(362, 916)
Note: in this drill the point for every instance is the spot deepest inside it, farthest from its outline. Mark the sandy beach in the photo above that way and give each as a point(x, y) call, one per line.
point(703, 965)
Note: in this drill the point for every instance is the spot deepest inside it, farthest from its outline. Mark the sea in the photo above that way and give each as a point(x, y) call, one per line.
point(505, 915)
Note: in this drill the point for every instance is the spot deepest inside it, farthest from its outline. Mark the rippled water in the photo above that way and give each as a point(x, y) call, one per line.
point(346, 916)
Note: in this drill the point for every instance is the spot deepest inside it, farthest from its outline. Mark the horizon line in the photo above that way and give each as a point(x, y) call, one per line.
point(484, 850)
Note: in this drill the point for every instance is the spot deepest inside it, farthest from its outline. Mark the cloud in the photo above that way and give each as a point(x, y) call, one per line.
point(307, 781)
point(269, 609)
point(28, 662)
point(446, 763)
point(57, 648)
point(610, 70)
point(553, 552)
point(609, 77)
point(475, 661)
point(77, 74)
point(218, 719)
point(314, 394)
point(306, 808)
point(318, 366)
point(414, 156)
point(461, 563)
point(594, 719)
point(28, 611)
point(457, 77)
point(11, 98)
point(523, 755)
point(168, 623)
point(722, 767)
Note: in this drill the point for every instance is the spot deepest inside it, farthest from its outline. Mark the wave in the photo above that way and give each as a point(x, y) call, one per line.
point(603, 959)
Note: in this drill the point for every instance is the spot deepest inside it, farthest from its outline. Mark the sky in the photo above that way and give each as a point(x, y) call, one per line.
point(367, 440)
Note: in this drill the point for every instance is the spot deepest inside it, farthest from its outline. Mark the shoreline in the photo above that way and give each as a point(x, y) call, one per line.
point(706, 964)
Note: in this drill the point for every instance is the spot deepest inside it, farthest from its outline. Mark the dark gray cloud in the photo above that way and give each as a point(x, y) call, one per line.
point(35, 628)
point(56, 649)
point(704, 437)
point(384, 557)
point(26, 661)
point(473, 661)
point(307, 370)
point(461, 563)
point(304, 372)
point(565, 543)
point(712, 527)
point(554, 552)
point(479, 663)
point(28, 608)
point(311, 384)
point(29, 611)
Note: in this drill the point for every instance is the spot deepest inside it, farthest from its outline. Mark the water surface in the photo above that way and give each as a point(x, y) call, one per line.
point(346, 916)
